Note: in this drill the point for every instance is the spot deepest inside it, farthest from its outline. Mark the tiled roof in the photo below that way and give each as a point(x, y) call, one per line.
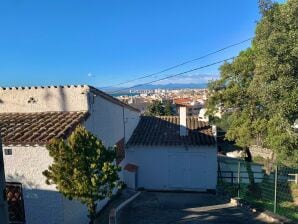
point(131, 167)
point(183, 101)
point(165, 130)
point(38, 128)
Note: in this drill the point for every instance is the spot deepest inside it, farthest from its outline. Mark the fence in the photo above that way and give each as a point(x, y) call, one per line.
point(270, 187)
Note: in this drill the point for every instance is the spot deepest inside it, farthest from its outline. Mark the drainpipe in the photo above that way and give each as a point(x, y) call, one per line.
point(3, 203)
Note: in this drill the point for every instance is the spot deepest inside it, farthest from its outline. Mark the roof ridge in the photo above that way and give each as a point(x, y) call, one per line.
point(42, 87)
point(110, 98)
point(44, 112)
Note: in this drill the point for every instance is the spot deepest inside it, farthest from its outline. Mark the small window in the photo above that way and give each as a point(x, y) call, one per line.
point(8, 152)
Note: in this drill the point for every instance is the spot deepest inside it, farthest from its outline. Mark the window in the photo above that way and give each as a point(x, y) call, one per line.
point(8, 152)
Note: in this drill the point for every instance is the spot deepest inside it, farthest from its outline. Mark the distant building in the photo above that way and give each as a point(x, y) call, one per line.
point(139, 103)
point(193, 107)
point(202, 115)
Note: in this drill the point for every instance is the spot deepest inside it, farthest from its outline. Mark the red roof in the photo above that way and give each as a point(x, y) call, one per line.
point(131, 167)
point(183, 101)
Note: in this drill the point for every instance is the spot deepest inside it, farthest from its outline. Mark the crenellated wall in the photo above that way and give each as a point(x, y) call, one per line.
point(43, 99)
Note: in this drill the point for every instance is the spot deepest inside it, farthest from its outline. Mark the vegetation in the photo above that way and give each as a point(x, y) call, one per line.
point(286, 201)
point(83, 169)
point(157, 108)
point(260, 86)
point(222, 123)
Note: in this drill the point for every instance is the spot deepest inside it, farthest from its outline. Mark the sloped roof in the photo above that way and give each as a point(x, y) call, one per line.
point(165, 131)
point(38, 128)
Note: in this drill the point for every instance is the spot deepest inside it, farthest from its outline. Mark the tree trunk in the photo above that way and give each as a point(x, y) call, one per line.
point(92, 211)
point(253, 189)
point(248, 160)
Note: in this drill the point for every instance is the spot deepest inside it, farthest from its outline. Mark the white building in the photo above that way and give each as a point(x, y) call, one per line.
point(3, 203)
point(171, 153)
point(31, 116)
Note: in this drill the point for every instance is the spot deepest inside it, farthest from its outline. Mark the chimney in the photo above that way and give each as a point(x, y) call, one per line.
point(182, 115)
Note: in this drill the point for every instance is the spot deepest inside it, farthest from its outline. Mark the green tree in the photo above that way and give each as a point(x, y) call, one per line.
point(168, 111)
point(82, 169)
point(260, 86)
point(155, 109)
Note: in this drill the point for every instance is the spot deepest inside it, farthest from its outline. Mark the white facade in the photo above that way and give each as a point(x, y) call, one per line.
point(174, 167)
point(203, 116)
point(41, 99)
point(3, 203)
point(43, 204)
point(108, 120)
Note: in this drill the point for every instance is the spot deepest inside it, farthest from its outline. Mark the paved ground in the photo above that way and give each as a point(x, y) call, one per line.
point(181, 208)
point(103, 216)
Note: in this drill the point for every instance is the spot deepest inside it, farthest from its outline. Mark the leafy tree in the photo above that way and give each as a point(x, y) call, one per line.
point(157, 108)
point(168, 111)
point(260, 86)
point(82, 169)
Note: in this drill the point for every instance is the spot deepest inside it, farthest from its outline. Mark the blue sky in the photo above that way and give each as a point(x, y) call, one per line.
point(105, 42)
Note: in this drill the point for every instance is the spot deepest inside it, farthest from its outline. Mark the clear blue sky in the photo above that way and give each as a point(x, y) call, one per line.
point(106, 42)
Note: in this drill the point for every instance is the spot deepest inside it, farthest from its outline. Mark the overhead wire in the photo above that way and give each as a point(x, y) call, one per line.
point(179, 65)
point(174, 75)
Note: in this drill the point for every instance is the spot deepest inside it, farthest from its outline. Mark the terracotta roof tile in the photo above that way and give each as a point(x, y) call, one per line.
point(38, 128)
point(131, 167)
point(165, 130)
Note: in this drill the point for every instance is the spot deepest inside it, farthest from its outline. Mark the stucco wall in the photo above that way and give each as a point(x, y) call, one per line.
point(41, 99)
point(108, 120)
point(43, 204)
point(3, 204)
point(131, 120)
point(153, 164)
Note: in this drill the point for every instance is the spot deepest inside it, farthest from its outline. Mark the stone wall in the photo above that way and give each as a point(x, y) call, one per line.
point(260, 151)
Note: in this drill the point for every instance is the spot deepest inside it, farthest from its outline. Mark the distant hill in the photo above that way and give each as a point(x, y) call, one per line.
point(166, 86)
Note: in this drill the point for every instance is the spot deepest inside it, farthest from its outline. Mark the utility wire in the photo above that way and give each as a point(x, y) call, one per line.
point(181, 64)
point(171, 76)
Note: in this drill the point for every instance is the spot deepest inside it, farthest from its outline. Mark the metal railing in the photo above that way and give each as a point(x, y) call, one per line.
point(274, 188)
point(15, 201)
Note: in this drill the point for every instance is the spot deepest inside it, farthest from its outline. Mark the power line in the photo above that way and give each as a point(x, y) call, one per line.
point(181, 64)
point(171, 76)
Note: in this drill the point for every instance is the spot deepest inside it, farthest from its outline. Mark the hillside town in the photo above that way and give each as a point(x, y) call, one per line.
point(193, 99)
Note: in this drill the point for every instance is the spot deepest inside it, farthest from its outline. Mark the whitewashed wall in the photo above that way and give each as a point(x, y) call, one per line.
point(42, 201)
point(3, 203)
point(108, 120)
point(153, 164)
point(52, 98)
point(43, 204)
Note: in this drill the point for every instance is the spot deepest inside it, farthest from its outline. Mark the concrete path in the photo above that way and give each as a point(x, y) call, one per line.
point(191, 208)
